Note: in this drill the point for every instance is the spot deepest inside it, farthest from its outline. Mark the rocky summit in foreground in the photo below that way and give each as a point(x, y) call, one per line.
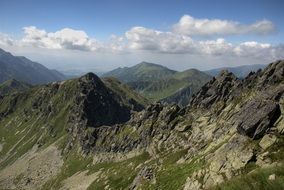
point(91, 134)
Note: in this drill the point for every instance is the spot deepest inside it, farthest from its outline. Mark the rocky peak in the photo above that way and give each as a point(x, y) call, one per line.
point(273, 74)
point(219, 88)
point(90, 77)
point(225, 76)
point(97, 105)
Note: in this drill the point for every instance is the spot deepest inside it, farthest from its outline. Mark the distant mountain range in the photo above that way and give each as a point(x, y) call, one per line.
point(240, 71)
point(157, 82)
point(23, 69)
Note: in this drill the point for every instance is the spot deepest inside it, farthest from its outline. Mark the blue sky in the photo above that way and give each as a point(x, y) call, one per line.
point(101, 19)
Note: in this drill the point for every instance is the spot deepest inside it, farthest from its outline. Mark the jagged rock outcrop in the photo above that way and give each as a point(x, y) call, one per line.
point(272, 74)
point(220, 88)
point(156, 121)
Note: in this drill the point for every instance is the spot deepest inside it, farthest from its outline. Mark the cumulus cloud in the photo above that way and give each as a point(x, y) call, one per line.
point(214, 47)
point(115, 44)
point(5, 40)
point(191, 26)
point(256, 49)
point(63, 39)
point(140, 38)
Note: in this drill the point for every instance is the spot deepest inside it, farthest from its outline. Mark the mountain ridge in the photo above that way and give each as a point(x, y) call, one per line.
point(142, 71)
point(23, 69)
point(240, 71)
point(157, 82)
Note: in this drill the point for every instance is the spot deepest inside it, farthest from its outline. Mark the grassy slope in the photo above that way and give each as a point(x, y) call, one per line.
point(42, 113)
point(12, 86)
point(167, 87)
point(141, 72)
point(23, 128)
point(40, 116)
point(156, 82)
point(124, 91)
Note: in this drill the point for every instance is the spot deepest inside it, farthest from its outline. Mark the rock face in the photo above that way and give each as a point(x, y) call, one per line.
point(218, 89)
point(97, 104)
point(256, 117)
point(272, 74)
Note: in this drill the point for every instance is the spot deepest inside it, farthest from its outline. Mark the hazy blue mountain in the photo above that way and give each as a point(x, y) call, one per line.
point(23, 69)
point(240, 71)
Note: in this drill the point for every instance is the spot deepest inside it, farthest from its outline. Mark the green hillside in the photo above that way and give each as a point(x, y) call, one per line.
point(157, 82)
point(141, 72)
point(12, 86)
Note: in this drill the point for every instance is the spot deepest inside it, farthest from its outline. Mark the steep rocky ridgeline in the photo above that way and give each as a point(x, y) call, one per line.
point(230, 136)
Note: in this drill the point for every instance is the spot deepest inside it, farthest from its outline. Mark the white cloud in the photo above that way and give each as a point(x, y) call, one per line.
point(140, 38)
point(255, 49)
point(188, 25)
point(63, 39)
point(6, 40)
point(215, 47)
point(115, 44)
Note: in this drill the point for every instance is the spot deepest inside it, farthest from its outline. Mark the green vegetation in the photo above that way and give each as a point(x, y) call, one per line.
point(13, 86)
point(156, 82)
point(126, 94)
point(72, 164)
point(257, 180)
point(118, 175)
point(141, 72)
point(171, 175)
point(33, 119)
